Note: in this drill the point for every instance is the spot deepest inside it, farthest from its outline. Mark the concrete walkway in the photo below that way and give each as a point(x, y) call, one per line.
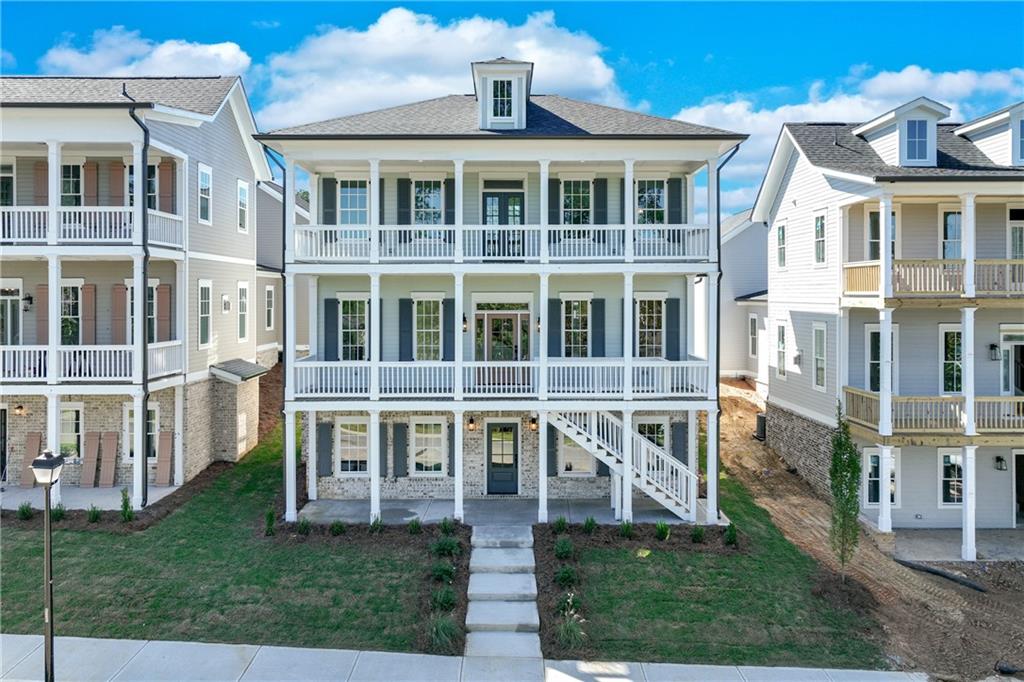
point(943, 544)
point(74, 497)
point(21, 658)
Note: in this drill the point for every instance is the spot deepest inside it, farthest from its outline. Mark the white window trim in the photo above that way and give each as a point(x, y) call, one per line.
point(336, 454)
point(129, 197)
point(81, 183)
point(757, 324)
point(939, 453)
point(815, 327)
point(13, 162)
point(424, 177)
point(781, 224)
point(76, 283)
point(591, 460)
point(269, 296)
point(823, 214)
point(16, 283)
point(511, 100)
point(242, 184)
point(1006, 346)
point(242, 285)
point(349, 177)
point(649, 177)
point(665, 422)
point(865, 463)
point(583, 296)
point(573, 177)
point(363, 296)
point(949, 208)
point(203, 168)
point(81, 426)
point(411, 463)
point(868, 210)
point(433, 296)
point(784, 350)
point(943, 329)
point(127, 437)
point(929, 132)
point(868, 328)
point(200, 285)
point(1011, 223)
point(650, 296)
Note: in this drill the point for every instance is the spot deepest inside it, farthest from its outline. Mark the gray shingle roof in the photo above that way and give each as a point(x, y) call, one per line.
point(457, 116)
point(202, 95)
point(730, 223)
point(243, 370)
point(833, 146)
point(991, 114)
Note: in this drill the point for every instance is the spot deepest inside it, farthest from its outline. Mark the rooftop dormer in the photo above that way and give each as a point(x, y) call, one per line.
point(906, 136)
point(502, 88)
point(999, 135)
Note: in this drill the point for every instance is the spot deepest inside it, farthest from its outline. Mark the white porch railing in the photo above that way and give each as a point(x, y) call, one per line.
point(999, 414)
point(332, 243)
point(501, 242)
point(23, 363)
point(26, 224)
point(417, 379)
point(332, 379)
point(164, 357)
point(927, 276)
point(661, 471)
point(660, 378)
point(498, 379)
point(99, 363)
point(166, 229)
point(586, 242)
point(417, 243)
point(671, 242)
point(96, 223)
point(585, 377)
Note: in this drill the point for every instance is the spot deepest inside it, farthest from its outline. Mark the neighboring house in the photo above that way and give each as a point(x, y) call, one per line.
point(914, 322)
point(502, 285)
point(81, 354)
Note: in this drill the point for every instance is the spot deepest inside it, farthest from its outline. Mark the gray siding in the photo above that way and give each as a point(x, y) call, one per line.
point(225, 344)
point(745, 271)
point(268, 231)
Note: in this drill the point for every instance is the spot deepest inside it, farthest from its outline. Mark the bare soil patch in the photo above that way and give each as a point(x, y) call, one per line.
point(271, 399)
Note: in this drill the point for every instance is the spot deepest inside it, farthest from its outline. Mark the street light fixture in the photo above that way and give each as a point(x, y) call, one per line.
point(46, 470)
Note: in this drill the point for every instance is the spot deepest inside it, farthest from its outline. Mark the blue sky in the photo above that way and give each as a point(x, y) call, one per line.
point(745, 67)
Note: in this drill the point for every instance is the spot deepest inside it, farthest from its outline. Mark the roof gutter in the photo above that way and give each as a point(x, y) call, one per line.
point(707, 136)
point(950, 178)
point(77, 105)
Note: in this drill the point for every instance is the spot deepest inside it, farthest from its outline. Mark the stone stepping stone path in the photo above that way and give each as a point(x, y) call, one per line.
point(502, 618)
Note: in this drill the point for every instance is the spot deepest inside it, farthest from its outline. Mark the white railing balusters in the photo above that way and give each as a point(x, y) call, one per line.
point(100, 363)
point(96, 223)
point(165, 229)
point(495, 379)
point(23, 363)
point(417, 379)
point(164, 357)
point(332, 379)
point(26, 224)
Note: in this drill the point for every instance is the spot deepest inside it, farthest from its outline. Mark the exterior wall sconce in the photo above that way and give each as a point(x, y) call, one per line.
point(1000, 463)
point(27, 300)
point(471, 424)
point(993, 352)
point(19, 410)
point(465, 324)
point(538, 325)
point(533, 423)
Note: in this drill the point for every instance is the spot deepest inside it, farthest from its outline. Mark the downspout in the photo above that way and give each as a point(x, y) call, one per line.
point(140, 326)
point(284, 298)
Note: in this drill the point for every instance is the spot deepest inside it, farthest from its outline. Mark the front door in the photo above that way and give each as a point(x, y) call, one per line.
point(502, 459)
point(503, 208)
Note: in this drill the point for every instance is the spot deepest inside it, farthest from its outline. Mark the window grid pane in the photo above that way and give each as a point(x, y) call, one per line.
point(152, 433)
point(951, 362)
point(353, 206)
point(428, 446)
point(819, 239)
point(650, 328)
point(353, 446)
point(243, 312)
point(428, 330)
point(427, 206)
point(576, 207)
point(70, 432)
point(576, 323)
point(352, 329)
point(952, 479)
point(781, 248)
point(781, 351)
point(650, 202)
point(204, 314)
point(819, 358)
point(502, 99)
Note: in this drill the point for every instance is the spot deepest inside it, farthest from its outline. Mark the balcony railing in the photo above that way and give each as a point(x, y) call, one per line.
point(165, 357)
point(936, 414)
point(927, 277)
point(94, 363)
point(861, 279)
point(23, 363)
point(935, 277)
point(417, 379)
point(166, 229)
point(317, 379)
point(28, 364)
point(995, 276)
point(95, 224)
point(478, 243)
point(24, 224)
point(87, 225)
point(1002, 414)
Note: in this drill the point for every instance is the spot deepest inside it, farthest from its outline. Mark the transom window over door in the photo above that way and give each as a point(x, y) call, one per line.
point(427, 330)
point(951, 235)
point(952, 358)
point(501, 99)
point(576, 327)
point(875, 235)
point(576, 207)
point(352, 325)
point(70, 185)
point(650, 328)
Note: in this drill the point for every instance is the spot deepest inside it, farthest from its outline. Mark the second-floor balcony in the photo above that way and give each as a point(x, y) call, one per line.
point(91, 363)
point(87, 225)
point(941, 415)
point(936, 277)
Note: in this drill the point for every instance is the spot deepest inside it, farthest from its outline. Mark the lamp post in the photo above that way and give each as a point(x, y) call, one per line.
point(46, 470)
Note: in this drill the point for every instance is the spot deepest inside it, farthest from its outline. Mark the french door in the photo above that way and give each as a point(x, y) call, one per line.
point(503, 208)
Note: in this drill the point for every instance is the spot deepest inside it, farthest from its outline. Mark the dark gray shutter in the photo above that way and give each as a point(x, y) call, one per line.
point(404, 200)
point(329, 201)
point(674, 199)
point(330, 329)
point(380, 336)
point(622, 200)
point(448, 330)
point(601, 201)
point(451, 448)
point(554, 328)
point(449, 201)
point(679, 441)
point(383, 448)
point(324, 449)
point(597, 348)
point(400, 448)
point(554, 201)
point(380, 204)
point(404, 329)
point(672, 329)
point(553, 450)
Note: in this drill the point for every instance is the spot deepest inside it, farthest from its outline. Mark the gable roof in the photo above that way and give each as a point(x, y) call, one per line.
point(937, 108)
point(200, 95)
point(988, 119)
point(457, 116)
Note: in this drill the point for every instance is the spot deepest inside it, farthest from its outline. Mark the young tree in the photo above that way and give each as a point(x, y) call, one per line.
point(844, 479)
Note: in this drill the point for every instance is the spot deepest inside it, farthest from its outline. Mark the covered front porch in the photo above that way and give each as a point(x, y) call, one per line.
point(13, 496)
point(944, 544)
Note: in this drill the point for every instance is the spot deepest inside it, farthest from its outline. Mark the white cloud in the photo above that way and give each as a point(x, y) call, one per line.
point(119, 52)
point(266, 23)
point(7, 59)
point(406, 56)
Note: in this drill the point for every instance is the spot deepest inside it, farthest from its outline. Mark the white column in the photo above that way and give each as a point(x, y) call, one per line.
point(713, 330)
point(374, 211)
point(712, 467)
point(627, 465)
point(627, 334)
point(53, 318)
point(968, 551)
point(969, 251)
point(692, 462)
point(140, 201)
point(289, 212)
point(967, 368)
point(53, 437)
point(53, 191)
point(616, 484)
point(312, 456)
point(290, 498)
point(885, 371)
point(289, 336)
point(138, 444)
point(459, 164)
point(884, 247)
point(629, 210)
point(179, 435)
point(544, 199)
point(690, 193)
point(313, 313)
point(375, 331)
point(314, 198)
point(138, 312)
point(885, 464)
point(713, 218)
point(375, 446)
point(691, 325)
point(460, 336)
point(543, 340)
point(542, 467)
point(458, 421)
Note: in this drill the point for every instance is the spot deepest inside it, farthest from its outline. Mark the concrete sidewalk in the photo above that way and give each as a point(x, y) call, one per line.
point(77, 658)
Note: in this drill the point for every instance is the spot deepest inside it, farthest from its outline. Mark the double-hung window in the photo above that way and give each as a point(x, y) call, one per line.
point(650, 203)
point(152, 430)
point(428, 206)
point(152, 180)
point(576, 207)
point(243, 311)
point(873, 357)
point(151, 294)
point(351, 446)
point(205, 307)
point(71, 313)
point(650, 327)
point(428, 447)
point(205, 193)
point(874, 251)
point(427, 316)
point(71, 431)
point(501, 99)
point(352, 328)
point(353, 202)
point(952, 358)
point(654, 430)
point(917, 140)
point(268, 322)
point(780, 351)
point(576, 326)
point(819, 349)
point(780, 246)
point(819, 239)
point(70, 185)
point(243, 207)
point(952, 234)
point(6, 184)
point(752, 335)
point(573, 459)
point(872, 477)
point(951, 477)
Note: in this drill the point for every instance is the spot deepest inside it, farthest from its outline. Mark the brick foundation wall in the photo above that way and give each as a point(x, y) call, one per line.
point(803, 443)
point(267, 358)
point(221, 422)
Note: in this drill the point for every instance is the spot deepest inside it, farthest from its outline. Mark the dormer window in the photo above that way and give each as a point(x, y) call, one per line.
point(501, 99)
point(917, 140)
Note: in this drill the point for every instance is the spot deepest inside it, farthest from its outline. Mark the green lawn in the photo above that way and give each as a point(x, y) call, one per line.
point(205, 573)
point(754, 608)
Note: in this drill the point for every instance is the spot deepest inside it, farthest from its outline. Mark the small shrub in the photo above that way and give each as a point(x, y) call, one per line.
point(268, 522)
point(662, 530)
point(568, 604)
point(337, 528)
point(58, 513)
point(590, 525)
point(377, 526)
point(443, 632)
point(447, 526)
point(730, 534)
point(563, 547)
point(565, 576)
point(446, 546)
point(561, 525)
point(93, 515)
point(570, 632)
point(442, 599)
point(443, 571)
point(304, 527)
point(127, 514)
point(626, 529)
point(415, 527)
point(25, 512)
point(697, 534)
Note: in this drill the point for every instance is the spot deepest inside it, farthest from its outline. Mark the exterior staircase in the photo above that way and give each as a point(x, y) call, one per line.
point(653, 470)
